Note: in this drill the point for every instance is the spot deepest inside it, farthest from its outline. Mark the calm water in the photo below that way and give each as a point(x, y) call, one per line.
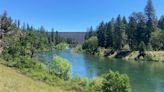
point(144, 77)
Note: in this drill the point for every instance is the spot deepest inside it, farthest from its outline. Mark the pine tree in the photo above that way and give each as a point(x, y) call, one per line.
point(5, 22)
point(89, 33)
point(132, 26)
point(151, 20)
point(119, 34)
point(109, 35)
point(52, 36)
point(161, 23)
point(101, 34)
point(57, 38)
point(141, 33)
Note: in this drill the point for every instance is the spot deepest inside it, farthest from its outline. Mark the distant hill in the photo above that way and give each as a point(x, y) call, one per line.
point(78, 36)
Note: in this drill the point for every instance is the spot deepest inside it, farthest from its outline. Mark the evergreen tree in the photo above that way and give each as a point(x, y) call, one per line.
point(57, 38)
point(18, 23)
point(161, 23)
point(89, 33)
point(141, 33)
point(132, 26)
point(52, 36)
point(5, 22)
point(109, 35)
point(124, 20)
point(151, 20)
point(101, 34)
point(119, 34)
point(24, 27)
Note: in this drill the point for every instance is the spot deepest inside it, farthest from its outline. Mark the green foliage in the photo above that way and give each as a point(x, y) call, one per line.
point(110, 82)
point(91, 45)
point(61, 67)
point(25, 44)
point(89, 33)
point(115, 82)
point(157, 40)
point(71, 41)
point(96, 85)
point(142, 47)
point(78, 49)
point(5, 22)
point(132, 26)
point(101, 34)
point(61, 46)
point(151, 21)
point(161, 22)
point(109, 35)
point(119, 34)
point(57, 39)
point(149, 47)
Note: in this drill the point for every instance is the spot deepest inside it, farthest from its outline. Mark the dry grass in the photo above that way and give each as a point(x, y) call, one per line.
point(12, 81)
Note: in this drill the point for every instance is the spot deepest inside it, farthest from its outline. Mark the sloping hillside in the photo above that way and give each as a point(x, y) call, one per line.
point(12, 81)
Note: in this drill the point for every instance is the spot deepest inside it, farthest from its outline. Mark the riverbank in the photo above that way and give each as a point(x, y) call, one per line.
point(157, 56)
point(90, 66)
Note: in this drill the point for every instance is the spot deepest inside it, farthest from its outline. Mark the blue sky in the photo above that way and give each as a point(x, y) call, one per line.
point(72, 15)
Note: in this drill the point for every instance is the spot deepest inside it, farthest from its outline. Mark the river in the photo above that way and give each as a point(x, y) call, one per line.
point(144, 76)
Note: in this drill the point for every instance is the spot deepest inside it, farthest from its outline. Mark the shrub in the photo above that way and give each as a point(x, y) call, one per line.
point(91, 45)
point(115, 82)
point(61, 46)
point(61, 67)
point(78, 49)
point(96, 85)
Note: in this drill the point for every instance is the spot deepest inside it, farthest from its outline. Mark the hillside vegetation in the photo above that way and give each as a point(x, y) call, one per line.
point(13, 81)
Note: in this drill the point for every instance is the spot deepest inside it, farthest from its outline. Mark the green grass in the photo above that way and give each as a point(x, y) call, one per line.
point(13, 81)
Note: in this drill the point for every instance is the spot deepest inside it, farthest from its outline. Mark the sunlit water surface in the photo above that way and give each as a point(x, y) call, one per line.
point(144, 77)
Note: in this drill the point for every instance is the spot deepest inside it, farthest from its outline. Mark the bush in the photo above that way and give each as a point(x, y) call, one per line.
point(61, 46)
point(157, 39)
point(115, 82)
point(96, 85)
point(61, 67)
point(91, 45)
point(78, 49)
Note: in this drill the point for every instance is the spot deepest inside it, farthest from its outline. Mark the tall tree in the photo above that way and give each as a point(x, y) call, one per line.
point(161, 23)
point(5, 22)
point(57, 38)
point(109, 35)
point(89, 33)
point(141, 33)
point(52, 36)
point(132, 26)
point(151, 20)
point(119, 34)
point(101, 34)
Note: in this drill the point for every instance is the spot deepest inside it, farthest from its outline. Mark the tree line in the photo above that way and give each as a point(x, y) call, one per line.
point(141, 31)
point(21, 44)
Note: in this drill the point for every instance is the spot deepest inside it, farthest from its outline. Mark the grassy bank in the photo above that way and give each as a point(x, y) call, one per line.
point(22, 83)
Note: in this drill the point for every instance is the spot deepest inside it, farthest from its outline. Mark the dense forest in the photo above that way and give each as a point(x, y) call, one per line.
point(142, 31)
